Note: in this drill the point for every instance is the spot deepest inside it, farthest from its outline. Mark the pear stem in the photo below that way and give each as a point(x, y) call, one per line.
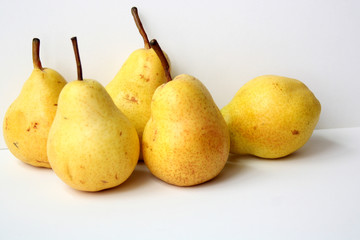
point(139, 25)
point(36, 53)
point(155, 45)
point(77, 58)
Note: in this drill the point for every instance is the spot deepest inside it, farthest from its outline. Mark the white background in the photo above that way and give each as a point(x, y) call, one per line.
point(222, 43)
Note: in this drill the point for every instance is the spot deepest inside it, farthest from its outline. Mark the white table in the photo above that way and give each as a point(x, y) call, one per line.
point(312, 194)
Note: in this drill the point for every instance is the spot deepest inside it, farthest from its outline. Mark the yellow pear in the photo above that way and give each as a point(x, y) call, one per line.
point(28, 119)
point(271, 116)
point(92, 145)
point(186, 140)
point(133, 86)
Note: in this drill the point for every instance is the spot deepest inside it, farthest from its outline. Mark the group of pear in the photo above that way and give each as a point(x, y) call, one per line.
point(93, 136)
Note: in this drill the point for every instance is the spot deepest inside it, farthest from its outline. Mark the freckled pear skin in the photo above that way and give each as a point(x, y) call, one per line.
point(133, 86)
point(271, 117)
point(135, 83)
point(186, 141)
point(92, 145)
point(28, 119)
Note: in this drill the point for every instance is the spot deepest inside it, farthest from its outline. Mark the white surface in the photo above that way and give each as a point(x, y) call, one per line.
point(312, 194)
point(223, 43)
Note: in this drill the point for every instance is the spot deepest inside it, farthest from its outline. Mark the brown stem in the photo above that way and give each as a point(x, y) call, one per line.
point(155, 45)
point(77, 58)
point(139, 25)
point(36, 53)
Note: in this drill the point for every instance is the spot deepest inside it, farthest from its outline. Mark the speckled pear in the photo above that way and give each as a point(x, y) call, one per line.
point(133, 86)
point(186, 141)
point(92, 145)
point(271, 116)
point(28, 119)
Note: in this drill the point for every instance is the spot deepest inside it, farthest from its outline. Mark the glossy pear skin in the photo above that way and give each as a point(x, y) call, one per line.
point(28, 119)
point(134, 85)
point(271, 116)
point(92, 145)
point(186, 141)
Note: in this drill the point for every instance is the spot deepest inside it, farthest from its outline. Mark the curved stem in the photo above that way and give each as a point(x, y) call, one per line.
point(77, 58)
point(139, 25)
point(155, 45)
point(36, 53)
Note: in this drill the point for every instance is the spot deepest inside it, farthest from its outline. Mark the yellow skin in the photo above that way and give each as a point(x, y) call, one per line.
point(28, 120)
point(186, 141)
point(92, 145)
point(271, 117)
point(134, 85)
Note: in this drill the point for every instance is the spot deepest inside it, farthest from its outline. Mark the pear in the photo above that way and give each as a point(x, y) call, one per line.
point(271, 117)
point(92, 145)
point(186, 140)
point(28, 119)
point(133, 86)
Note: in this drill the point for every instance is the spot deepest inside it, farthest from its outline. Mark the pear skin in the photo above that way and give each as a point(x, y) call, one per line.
point(271, 117)
point(92, 145)
point(28, 119)
point(133, 86)
point(135, 83)
point(186, 141)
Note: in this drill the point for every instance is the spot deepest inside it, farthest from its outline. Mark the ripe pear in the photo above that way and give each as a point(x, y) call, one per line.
point(186, 140)
point(133, 86)
point(92, 145)
point(271, 117)
point(28, 119)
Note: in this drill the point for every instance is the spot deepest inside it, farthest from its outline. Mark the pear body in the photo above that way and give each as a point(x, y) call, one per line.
point(271, 116)
point(186, 141)
point(92, 145)
point(28, 119)
point(134, 85)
